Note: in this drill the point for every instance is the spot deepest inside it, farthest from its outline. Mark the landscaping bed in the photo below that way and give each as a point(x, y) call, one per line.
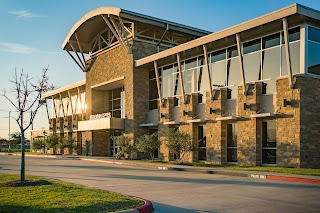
point(43, 195)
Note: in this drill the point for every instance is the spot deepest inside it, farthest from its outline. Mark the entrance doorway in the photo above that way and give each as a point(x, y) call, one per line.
point(232, 148)
point(202, 143)
point(114, 148)
point(269, 142)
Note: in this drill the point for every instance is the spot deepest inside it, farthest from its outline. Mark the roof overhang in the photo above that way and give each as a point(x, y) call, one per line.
point(294, 11)
point(92, 23)
point(64, 89)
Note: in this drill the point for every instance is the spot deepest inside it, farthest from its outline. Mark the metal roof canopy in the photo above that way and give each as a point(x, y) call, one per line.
point(190, 48)
point(87, 27)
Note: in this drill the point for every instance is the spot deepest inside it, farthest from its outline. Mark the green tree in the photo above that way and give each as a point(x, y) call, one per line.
point(15, 137)
point(124, 142)
point(148, 144)
point(37, 143)
point(68, 142)
point(52, 141)
point(178, 143)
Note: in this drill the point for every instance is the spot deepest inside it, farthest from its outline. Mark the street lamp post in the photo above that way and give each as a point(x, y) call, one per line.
point(9, 131)
point(44, 141)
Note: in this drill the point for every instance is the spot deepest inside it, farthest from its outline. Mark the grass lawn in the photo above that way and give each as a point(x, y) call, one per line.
point(296, 171)
point(59, 197)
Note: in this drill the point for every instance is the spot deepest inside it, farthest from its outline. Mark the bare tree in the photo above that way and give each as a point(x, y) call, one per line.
point(27, 99)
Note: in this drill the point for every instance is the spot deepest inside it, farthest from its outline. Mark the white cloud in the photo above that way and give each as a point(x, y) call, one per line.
point(16, 48)
point(23, 14)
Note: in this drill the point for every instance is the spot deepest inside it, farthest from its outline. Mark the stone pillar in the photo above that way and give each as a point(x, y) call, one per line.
point(247, 141)
point(216, 130)
point(188, 111)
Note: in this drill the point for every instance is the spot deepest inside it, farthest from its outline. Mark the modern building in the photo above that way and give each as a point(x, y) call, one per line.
point(247, 95)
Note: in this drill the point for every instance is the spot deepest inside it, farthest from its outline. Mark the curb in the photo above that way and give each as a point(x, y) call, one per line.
point(194, 170)
point(293, 179)
point(228, 173)
point(147, 207)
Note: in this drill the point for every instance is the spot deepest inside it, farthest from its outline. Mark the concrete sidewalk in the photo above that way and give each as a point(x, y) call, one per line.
point(184, 168)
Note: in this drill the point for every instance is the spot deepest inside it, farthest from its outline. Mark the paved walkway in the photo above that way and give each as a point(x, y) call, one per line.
point(184, 168)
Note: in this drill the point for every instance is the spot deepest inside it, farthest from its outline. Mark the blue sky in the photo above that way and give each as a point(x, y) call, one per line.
point(31, 33)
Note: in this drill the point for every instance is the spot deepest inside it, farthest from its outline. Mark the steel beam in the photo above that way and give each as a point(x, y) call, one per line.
point(287, 50)
point(158, 80)
point(243, 79)
point(181, 78)
point(205, 53)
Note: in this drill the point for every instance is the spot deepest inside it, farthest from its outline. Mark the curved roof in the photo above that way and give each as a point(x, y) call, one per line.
point(92, 23)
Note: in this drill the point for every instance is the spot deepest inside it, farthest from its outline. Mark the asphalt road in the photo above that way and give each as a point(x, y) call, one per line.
point(173, 191)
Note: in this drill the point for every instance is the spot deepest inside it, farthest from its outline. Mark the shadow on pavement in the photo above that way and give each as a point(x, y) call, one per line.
point(163, 208)
point(99, 167)
point(240, 181)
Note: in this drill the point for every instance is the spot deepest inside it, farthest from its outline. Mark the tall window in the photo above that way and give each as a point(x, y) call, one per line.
point(313, 50)
point(232, 149)
point(116, 102)
point(202, 143)
point(153, 91)
point(269, 142)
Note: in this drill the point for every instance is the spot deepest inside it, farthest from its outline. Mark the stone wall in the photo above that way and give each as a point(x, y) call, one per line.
point(216, 130)
point(288, 124)
point(247, 140)
point(101, 143)
point(310, 121)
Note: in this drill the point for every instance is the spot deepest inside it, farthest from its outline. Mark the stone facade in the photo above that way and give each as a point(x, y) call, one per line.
point(288, 124)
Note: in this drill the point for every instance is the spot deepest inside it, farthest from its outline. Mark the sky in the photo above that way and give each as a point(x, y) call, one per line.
point(31, 34)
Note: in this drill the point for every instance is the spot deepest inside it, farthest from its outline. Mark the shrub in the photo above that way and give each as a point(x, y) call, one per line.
point(52, 141)
point(178, 143)
point(37, 144)
point(148, 144)
point(124, 142)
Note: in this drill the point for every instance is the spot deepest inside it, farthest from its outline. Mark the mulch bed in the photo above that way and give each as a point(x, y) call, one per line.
point(18, 183)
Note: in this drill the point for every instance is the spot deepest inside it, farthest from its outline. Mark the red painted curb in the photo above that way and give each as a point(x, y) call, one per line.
point(293, 179)
point(146, 208)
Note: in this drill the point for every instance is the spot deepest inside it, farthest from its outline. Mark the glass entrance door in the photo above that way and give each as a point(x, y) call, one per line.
point(114, 148)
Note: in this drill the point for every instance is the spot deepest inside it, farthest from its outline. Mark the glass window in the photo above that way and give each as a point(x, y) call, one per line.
point(168, 70)
point(203, 79)
point(271, 63)
point(313, 58)
point(201, 143)
point(271, 41)
point(218, 56)
point(167, 86)
point(232, 148)
point(218, 73)
point(232, 52)
point(294, 58)
point(314, 34)
point(294, 34)
point(153, 104)
point(188, 80)
point(234, 76)
point(191, 63)
point(252, 66)
point(252, 46)
point(153, 89)
point(177, 85)
point(269, 142)
point(201, 60)
point(152, 74)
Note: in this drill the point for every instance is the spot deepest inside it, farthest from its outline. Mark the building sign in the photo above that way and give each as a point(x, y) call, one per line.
point(102, 115)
